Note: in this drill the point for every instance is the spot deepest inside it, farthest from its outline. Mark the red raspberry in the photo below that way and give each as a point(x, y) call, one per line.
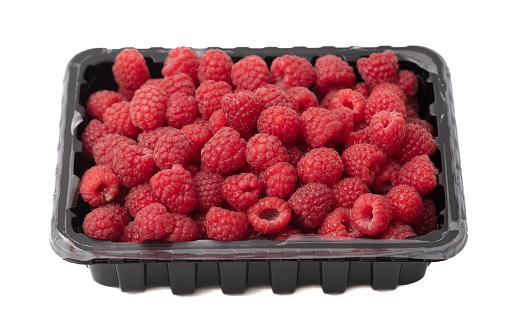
point(92, 132)
point(130, 233)
point(318, 125)
point(263, 151)
point(424, 123)
point(242, 110)
point(178, 83)
point(208, 190)
point(378, 67)
point(407, 82)
point(347, 190)
point(426, 222)
point(290, 71)
point(192, 168)
point(173, 147)
point(383, 101)
point(406, 204)
point(181, 60)
point(420, 173)
point(389, 87)
point(154, 222)
point(332, 72)
point(280, 121)
point(417, 141)
point(320, 165)
point(104, 147)
point(396, 230)
point(198, 135)
point(362, 88)
point(242, 190)
point(226, 225)
point(208, 96)
point(290, 232)
point(217, 121)
point(130, 69)
point(302, 98)
point(224, 152)
point(269, 215)
point(99, 101)
point(295, 155)
point(250, 73)
point(148, 139)
point(118, 118)
point(105, 222)
point(175, 189)
point(99, 185)
point(215, 65)
point(387, 131)
point(272, 95)
point(279, 180)
point(311, 203)
point(338, 225)
point(200, 218)
point(147, 108)
point(364, 161)
point(371, 214)
point(387, 177)
point(185, 229)
point(326, 101)
point(138, 197)
point(352, 100)
point(181, 110)
point(360, 134)
point(346, 116)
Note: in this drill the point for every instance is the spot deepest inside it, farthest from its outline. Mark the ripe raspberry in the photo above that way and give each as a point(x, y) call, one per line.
point(426, 222)
point(192, 168)
point(154, 222)
point(346, 116)
point(295, 155)
point(311, 203)
point(279, 180)
point(105, 222)
point(118, 118)
point(302, 98)
point(272, 95)
point(175, 189)
point(130, 69)
point(208, 96)
point(181, 60)
point(352, 100)
point(184, 230)
point(389, 87)
point(280, 121)
point(290, 232)
point(424, 123)
point(383, 101)
point(332, 72)
point(387, 131)
point(147, 108)
point(387, 177)
point(378, 67)
point(217, 121)
point(224, 152)
point(364, 161)
point(396, 230)
point(200, 218)
point(420, 173)
point(362, 88)
point(347, 190)
point(326, 101)
point(320, 165)
point(417, 141)
point(92, 132)
point(104, 146)
point(371, 214)
point(215, 65)
point(181, 110)
point(138, 197)
point(242, 190)
point(250, 73)
point(360, 134)
point(407, 82)
point(198, 135)
point(173, 147)
point(269, 215)
point(263, 151)
point(99, 101)
point(178, 83)
point(226, 225)
point(242, 110)
point(208, 190)
point(130, 233)
point(290, 71)
point(99, 185)
point(318, 125)
point(338, 225)
point(406, 204)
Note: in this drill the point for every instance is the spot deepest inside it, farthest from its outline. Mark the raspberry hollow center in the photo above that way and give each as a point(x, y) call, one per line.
point(269, 214)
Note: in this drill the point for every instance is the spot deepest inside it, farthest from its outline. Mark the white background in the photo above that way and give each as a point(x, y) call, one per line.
point(40, 290)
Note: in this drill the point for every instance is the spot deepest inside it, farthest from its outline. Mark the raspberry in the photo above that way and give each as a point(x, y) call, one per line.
point(199, 218)
point(184, 230)
point(130, 233)
point(226, 225)
point(383, 101)
point(181, 110)
point(295, 155)
point(389, 87)
point(242, 110)
point(352, 100)
point(338, 225)
point(173, 147)
point(302, 98)
point(99, 185)
point(326, 101)
point(290, 232)
point(104, 147)
point(99, 101)
point(92, 132)
point(332, 72)
point(224, 152)
point(417, 141)
point(320, 165)
point(364, 161)
point(118, 118)
point(360, 134)
point(406, 204)
point(426, 222)
point(181, 60)
point(192, 168)
point(217, 121)
point(198, 135)
point(272, 95)
point(269, 215)
point(208, 96)
point(290, 71)
point(242, 190)
point(178, 83)
point(263, 151)
point(147, 108)
point(250, 73)
point(425, 124)
point(407, 82)
point(318, 125)
point(387, 131)
point(371, 214)
point(378, 67)
point(396, 230)
point(387, 177)
point(175, 189)
point(130, 69)
point(362, 88)
point(215, 65)
point(420, 173)
point(311, 203)
point(347, 190)
point(105, 222)
point(154, 222)
point(138, 197)
point(282, 122)
point(279, 180)
point(346, 117)
point(208, 190)
point(148, 139)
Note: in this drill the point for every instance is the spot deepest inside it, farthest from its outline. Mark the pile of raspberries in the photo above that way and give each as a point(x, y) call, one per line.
point(230, 151)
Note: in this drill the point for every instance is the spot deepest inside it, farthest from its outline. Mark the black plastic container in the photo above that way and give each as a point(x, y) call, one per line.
point(283, 265)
